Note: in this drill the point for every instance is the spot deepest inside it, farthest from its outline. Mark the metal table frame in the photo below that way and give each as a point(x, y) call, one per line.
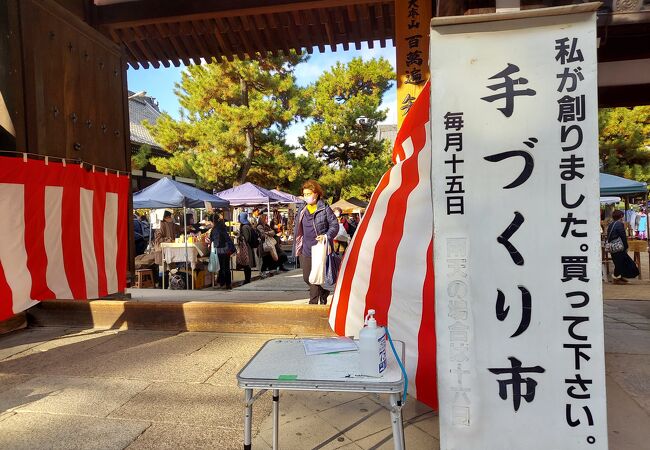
point(392, 387)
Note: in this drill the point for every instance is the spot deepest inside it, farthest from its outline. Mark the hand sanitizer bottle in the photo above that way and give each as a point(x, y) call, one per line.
point(372, 347)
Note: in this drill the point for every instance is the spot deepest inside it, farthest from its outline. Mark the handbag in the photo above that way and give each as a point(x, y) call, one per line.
point(242, 257)
point(615, 246)
point(269, 247)
point(318, 262)
point(332, 269)
point(342, 235)
point(268, 244)
point(213, 264)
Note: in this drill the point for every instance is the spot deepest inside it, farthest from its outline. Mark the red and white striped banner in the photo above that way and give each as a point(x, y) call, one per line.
point(63, 233)
point(389, 263)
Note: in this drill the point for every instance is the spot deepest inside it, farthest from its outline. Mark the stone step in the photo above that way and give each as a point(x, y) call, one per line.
point(184, 316)
point(17, 322)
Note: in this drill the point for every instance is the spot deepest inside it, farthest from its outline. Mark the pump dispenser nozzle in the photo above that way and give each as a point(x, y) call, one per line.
point(370, 321)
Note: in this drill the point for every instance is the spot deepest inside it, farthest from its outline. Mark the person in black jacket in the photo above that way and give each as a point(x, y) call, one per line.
point(313, 222)
point(222, 241)
point(624, 266)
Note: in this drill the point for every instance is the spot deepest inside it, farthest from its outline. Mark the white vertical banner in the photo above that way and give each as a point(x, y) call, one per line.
point(516, 231)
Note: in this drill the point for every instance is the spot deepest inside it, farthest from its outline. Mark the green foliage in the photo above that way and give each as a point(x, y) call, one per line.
point(141, 158)
point(234, 116)
point(338, 99)
point(360, 179)
point(624, 141)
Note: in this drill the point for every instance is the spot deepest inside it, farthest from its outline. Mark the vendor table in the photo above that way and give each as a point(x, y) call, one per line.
point(281, 364)
point(173, 252)
point(637, 247)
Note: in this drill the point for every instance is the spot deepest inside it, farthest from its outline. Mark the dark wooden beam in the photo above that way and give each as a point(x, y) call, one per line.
point(355, 24)
point(152, 38)
point(366, 25)
point(132, 48)
point(210, 40)
point(175, 57)
point(156, 11)
point(178, 45)
point(279, 33)
point(450, 8)
point(627, 96)
point(226, 50)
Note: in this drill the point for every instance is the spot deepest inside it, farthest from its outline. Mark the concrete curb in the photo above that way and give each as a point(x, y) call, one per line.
point(185, 316)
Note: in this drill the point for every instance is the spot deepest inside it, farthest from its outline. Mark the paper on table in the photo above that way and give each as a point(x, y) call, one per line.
point(328, 345)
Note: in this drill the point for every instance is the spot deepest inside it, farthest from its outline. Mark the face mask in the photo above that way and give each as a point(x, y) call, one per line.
point(337, 214)
point(311, 200)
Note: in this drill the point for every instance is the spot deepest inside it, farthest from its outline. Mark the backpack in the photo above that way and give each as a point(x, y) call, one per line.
point(228, 247)
point(255, 238)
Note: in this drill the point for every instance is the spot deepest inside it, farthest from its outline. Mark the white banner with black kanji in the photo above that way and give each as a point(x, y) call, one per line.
point(519, 319)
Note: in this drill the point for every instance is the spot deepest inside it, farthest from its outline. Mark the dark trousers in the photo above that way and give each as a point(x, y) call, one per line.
point(140, 247)
point(316, 292)
point(247, 274)
point(225, 277)
point(268, 263)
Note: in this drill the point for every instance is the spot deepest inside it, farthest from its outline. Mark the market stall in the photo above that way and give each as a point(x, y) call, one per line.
point(167, 193)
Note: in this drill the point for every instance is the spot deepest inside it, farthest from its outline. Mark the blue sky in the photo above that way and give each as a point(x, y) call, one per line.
point(159, 83)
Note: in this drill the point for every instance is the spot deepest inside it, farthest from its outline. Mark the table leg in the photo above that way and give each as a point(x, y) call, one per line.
point(248, 418)
point(396, 420)
point(276, 417)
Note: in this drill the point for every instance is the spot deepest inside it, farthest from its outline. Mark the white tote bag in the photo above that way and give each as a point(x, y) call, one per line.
point(342, 235)
point(318, 262)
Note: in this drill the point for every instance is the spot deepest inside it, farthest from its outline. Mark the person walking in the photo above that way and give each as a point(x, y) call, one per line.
point(146, 229)
point(624, 266)
point(138, 235)
point(225, 247)
point(315, 220)
point(272, 256)
point(248, 235)
point(342, 238)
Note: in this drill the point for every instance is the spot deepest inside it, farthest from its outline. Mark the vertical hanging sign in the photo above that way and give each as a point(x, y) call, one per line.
point(412, 19)
point(516, 224)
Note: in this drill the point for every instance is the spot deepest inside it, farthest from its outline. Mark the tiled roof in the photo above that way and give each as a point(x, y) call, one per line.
point(140, 109)
point(387, 132)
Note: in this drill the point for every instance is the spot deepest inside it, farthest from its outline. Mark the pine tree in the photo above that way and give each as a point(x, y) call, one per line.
point(233, 119)
point(345, 103)
point(624, 142)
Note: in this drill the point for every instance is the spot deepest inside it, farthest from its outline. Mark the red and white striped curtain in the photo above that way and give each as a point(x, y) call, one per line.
point(389, 263)
point(63, 233)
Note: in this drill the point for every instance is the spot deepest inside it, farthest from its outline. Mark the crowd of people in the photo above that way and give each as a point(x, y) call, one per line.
point(256, 241)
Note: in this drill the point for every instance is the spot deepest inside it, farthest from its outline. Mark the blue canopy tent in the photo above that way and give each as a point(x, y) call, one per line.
point(167, 193)
point(613, 185)
point(249, 194)
point(291, 197)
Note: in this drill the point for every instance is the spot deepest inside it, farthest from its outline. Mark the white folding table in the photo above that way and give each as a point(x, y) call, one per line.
point(174, 252)
point(281, 364)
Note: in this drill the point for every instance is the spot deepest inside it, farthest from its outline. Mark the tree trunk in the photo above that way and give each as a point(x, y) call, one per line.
point(337, 194)
point(250, 149)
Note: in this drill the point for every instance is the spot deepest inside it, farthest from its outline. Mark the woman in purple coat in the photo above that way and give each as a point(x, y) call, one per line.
point(314, 221)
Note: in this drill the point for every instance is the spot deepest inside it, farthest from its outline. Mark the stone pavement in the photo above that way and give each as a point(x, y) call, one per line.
point(116, 389)
point(287, 287)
